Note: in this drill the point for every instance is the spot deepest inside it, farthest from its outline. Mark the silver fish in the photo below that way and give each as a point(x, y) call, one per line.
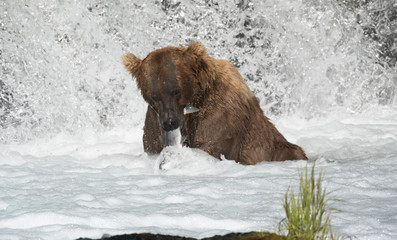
point(172, 138)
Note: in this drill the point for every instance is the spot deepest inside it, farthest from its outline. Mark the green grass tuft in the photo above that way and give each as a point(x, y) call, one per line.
point(308, 214)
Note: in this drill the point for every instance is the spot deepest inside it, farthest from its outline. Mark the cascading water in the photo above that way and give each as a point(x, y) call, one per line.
point(61, 70)
point(71, 156)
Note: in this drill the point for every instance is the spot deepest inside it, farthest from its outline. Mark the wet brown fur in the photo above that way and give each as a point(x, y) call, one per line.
point(230, 121)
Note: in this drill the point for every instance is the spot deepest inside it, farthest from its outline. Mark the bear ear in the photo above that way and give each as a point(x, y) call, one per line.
point(131, 63)
point(196, 49)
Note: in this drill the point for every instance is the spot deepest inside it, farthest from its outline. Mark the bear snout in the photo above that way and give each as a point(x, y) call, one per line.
point(170, 124)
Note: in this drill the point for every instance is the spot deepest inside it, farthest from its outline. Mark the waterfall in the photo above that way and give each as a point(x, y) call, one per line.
point(60, 67)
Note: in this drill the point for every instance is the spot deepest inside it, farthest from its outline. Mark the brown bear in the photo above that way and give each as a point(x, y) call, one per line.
point(229, 122)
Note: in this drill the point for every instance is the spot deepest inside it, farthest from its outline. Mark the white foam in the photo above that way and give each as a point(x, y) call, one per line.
point(195, 194)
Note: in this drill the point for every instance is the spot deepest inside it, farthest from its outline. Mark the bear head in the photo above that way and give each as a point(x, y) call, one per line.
point(170, 79)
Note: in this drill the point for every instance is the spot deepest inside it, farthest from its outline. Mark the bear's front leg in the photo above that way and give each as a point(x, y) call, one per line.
point(152, 132)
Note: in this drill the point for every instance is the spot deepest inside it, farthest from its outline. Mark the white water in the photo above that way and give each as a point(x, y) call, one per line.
point(71, 159)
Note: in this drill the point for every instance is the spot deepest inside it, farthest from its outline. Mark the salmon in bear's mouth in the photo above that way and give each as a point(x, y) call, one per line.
point(174, 137)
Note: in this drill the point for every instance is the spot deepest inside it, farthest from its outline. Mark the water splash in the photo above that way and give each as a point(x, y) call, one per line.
point(61, 71)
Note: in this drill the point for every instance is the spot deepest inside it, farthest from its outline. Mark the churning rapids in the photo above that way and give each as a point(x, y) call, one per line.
point(71, 157)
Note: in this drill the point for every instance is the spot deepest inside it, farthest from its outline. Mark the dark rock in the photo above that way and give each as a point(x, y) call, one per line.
point(230, 236)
